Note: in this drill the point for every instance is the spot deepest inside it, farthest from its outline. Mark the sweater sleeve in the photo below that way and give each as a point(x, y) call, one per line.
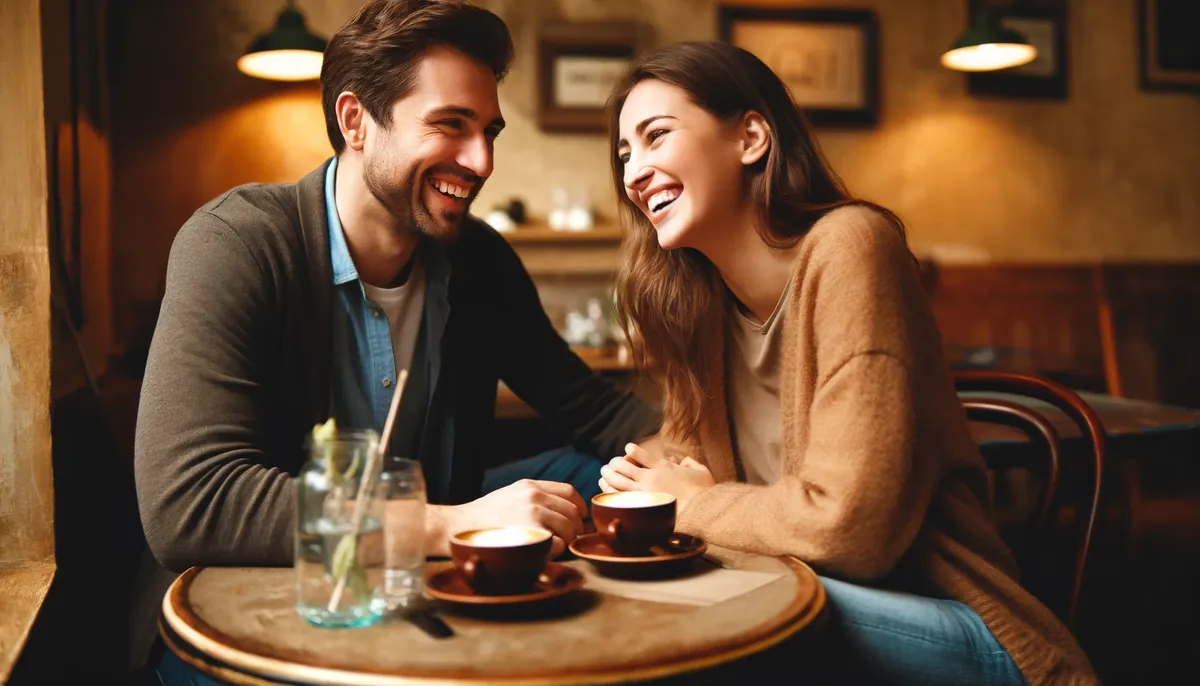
point(854, 489)
point(205, 494)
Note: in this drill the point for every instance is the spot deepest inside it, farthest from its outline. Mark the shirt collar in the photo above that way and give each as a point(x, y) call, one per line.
point(342, 264)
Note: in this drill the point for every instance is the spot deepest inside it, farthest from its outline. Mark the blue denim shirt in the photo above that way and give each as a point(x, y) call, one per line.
point(364, 365)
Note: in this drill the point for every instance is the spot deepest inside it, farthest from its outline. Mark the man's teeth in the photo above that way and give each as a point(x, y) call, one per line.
point(448, 188)
point(663, 198)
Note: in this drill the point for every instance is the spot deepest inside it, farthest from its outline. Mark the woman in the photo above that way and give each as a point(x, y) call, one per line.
point(802, 370)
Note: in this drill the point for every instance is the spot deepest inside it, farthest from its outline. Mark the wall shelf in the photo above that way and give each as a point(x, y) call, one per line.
point(548, 253)
point(540, 233)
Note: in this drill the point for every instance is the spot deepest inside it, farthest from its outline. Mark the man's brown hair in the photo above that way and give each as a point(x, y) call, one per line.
point(375, 54)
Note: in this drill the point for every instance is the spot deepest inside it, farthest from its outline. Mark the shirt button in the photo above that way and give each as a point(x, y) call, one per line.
point(386, 382)
point(375, 313)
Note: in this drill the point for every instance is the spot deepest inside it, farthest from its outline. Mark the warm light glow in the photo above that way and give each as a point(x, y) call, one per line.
point(989, 57)
point(282, 65)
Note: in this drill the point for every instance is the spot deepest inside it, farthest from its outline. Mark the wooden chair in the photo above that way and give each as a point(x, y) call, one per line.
point(1041, 430)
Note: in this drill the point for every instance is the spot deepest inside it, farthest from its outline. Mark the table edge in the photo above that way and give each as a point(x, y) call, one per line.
point(273, 668)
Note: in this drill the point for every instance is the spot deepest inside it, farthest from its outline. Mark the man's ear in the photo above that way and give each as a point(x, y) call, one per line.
point(351, 118)
point(756, 137)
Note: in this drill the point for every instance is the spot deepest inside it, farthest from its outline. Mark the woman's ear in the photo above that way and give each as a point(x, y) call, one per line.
point(756, 137)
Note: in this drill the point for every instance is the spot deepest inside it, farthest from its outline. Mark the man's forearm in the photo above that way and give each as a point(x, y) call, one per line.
point(438, 526)
point(247, 520)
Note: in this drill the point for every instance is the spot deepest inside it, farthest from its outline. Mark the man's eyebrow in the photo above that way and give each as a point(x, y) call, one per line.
point(641, 127)
point(465, 112)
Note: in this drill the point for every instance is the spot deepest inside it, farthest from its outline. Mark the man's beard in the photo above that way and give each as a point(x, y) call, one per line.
point(403, 200)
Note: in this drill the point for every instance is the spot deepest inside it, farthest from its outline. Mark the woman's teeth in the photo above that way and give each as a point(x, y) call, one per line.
point(663, 198)
point(450, 189)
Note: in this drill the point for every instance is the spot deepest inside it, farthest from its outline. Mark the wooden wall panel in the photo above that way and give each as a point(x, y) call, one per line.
point(1151, 327)
point(1040, 319)
point(1130, 329)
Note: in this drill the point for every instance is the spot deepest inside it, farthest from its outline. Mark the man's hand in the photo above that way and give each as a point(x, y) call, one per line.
point(549, 505)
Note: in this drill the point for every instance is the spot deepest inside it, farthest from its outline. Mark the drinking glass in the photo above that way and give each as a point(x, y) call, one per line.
point(402, 490)
point(338, 565)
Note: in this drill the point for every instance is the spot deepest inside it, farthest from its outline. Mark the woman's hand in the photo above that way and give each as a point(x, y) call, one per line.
point(642, 470)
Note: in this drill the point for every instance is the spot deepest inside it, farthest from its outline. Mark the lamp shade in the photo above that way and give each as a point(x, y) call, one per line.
point(288, 52)
point(988, 46)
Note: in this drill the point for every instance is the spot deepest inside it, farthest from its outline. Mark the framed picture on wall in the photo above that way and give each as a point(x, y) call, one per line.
point(1044, 23)
point(829, 58)
point(578, 64)
point(1168, 50)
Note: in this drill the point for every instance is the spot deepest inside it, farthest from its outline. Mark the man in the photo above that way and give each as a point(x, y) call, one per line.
point(289, 304)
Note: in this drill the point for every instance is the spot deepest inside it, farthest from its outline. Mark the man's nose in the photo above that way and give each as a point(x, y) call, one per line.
point(476, 157)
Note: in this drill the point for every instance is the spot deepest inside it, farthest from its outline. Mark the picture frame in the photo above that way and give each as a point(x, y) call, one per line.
point(828, 58)
point(1168, 53)
point(1044, 23)
point(577, 65)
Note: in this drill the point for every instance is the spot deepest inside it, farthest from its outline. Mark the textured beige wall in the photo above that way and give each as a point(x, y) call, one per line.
point(1109, 173)
point(26, 485)
point(1112, 172)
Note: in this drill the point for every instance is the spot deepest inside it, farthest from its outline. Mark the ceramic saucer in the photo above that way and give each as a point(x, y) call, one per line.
point(556, 580)
point(669, 559)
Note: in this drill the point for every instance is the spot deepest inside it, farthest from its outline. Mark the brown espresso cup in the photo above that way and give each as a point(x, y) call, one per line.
point(501, 560)
point(634, 522)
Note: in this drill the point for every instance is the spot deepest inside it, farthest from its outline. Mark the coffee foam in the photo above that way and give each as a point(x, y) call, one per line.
point(503, 537)
point(634, 499)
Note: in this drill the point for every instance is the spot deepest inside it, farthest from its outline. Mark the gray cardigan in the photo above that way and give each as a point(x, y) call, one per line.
point(240, 363)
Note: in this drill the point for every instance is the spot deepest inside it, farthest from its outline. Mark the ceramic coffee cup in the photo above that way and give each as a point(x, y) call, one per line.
point(633, 522)
point(501, 560)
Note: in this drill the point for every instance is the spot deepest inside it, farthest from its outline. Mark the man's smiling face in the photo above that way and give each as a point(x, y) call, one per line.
point(428, 165)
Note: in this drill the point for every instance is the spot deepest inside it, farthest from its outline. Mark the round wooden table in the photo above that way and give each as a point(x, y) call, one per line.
point(240, 625)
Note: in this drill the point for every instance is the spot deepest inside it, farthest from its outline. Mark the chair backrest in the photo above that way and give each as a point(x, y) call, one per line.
point(1038, 428)
point(1010, 411)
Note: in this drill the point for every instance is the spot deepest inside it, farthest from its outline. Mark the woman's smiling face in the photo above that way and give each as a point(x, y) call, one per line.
point(683, 167)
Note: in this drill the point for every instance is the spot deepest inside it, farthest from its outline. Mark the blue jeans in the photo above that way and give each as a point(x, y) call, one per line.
point(567, 465)
point(173, 671)
point(887, 637)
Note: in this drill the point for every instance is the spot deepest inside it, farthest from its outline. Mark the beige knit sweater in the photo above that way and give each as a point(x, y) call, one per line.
point(882, 481)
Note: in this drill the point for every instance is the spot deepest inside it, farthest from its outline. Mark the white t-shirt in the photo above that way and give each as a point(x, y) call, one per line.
point(403, 306)
point(754, 393)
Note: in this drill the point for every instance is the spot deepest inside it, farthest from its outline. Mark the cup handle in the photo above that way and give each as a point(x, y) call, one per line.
point(613, 529)
point(472, 568)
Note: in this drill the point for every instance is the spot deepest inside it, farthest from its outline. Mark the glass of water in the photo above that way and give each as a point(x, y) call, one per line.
point(340, 532)
point(402, 491)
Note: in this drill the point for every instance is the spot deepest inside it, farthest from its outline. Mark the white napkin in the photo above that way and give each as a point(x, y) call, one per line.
point(707, 588)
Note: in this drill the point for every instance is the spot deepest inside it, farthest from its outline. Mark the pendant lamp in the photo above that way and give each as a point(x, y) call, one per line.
point(288, 52)
point(988, 46)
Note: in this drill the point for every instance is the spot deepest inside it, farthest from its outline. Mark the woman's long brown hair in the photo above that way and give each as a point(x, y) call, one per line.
point(665, 297)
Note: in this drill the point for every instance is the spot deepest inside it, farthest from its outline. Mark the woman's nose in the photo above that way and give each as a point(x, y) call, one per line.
point(639, 177)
